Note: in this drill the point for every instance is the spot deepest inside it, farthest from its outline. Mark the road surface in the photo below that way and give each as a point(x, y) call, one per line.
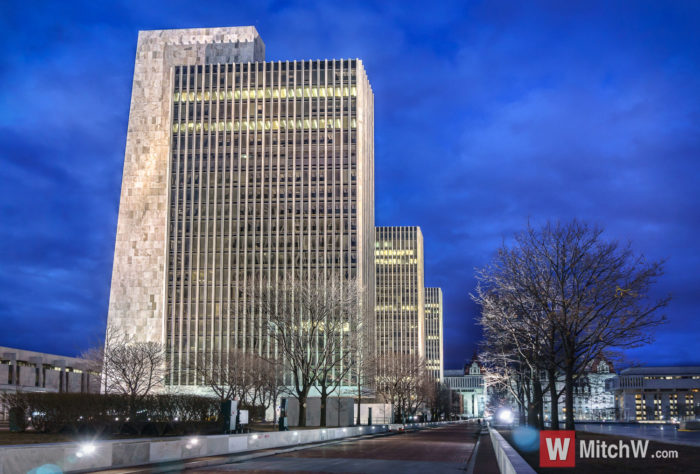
point(436, 450)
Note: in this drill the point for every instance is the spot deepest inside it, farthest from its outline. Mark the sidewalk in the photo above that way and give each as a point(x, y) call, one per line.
point(485, 461)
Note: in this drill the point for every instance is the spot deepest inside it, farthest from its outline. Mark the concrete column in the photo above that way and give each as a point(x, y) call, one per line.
point(12, 357)
point(63, 382)
point(38, 364)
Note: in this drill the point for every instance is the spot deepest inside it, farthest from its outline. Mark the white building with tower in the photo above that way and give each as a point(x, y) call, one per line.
point(468, 383)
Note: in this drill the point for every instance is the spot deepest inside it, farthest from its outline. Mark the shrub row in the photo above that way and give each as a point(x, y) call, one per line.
point(118, 414)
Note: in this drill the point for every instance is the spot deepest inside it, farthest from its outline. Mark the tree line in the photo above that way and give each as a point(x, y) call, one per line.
point(552, 301)
point(318, 336)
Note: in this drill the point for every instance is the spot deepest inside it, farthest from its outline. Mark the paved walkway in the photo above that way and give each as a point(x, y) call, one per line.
point(437, 450)
point(486, 462)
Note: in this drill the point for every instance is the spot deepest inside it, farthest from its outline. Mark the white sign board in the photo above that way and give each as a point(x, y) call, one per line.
point(244, 417)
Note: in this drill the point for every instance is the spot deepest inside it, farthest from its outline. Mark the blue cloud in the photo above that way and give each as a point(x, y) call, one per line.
point(487, 114)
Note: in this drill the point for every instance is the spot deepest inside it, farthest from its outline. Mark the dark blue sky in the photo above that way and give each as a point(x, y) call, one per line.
point(487, 114)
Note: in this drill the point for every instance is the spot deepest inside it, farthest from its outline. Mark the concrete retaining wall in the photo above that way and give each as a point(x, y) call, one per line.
point(509, 461)
point(76, 457)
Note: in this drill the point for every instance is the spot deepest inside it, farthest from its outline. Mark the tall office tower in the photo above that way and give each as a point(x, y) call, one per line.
point(236, 170)
point(400, 308)
point(433, 332)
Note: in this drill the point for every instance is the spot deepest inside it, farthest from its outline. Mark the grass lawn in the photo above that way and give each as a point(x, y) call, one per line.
point(688, 458)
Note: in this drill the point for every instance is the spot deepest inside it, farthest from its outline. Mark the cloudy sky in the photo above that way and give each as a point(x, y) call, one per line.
point(487, 114)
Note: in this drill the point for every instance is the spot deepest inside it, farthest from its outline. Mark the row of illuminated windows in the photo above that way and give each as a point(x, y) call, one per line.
point(674, 377)
point(395, 252)
point(242, 125)
point(395, 261)
point(267, 93)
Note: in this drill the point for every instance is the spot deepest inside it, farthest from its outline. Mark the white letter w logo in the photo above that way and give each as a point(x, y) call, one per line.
point(560, 449)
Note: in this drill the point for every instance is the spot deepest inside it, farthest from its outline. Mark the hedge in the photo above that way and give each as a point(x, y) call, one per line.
point(154, 415)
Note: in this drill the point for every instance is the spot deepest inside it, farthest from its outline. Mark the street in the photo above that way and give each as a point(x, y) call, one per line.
point(445, 449)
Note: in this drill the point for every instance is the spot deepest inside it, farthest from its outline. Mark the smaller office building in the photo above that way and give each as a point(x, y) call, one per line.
point(646, 394)
point(29, 371)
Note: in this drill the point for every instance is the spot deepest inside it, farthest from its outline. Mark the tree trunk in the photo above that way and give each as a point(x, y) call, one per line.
point(324, 402)
point(274, 412)
point(536, 420)
point(359, 401)
point(302, 407)
point(569, 400)
point(540, 411)
point(554, 399)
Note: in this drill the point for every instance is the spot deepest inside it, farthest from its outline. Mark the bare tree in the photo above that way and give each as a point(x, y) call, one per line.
point(574, 296)
point(94, 360)
point(270, 384)
point(223, 373)
point(401, 381)
point(518, 341)
point(132, 368)
point(309, 319)
point(364, 369)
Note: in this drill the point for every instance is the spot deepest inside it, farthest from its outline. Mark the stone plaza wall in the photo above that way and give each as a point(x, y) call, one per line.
point(76, 457)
